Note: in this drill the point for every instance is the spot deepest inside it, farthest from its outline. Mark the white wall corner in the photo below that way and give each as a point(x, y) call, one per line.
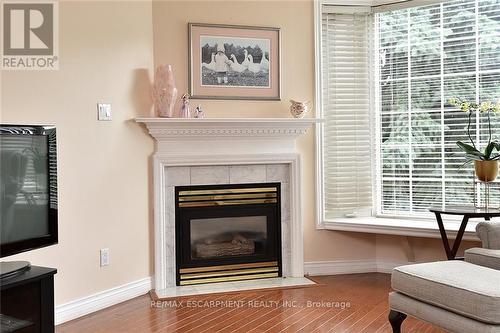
point(101, 300)
point(339, 267)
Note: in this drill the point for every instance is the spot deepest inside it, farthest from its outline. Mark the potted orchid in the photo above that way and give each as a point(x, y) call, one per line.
point(485, 162)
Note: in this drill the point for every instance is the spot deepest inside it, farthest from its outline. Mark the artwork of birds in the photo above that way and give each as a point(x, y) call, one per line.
point(236, 66)
point(226, 68)
point(253, 67)
point(211, 65)
point(264, 64)
point(245, 62)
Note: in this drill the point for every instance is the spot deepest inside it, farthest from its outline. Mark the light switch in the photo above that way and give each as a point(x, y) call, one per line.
point(103, 111)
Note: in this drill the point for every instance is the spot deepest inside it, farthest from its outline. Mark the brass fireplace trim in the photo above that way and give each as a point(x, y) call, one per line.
point(232, 272)
point(230, 278)
point(228, 191)
point(228, 267)
point(226, 203)
point(212, 274)
point(227, 196)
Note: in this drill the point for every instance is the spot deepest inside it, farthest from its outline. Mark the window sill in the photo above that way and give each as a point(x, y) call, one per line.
point(402, 227)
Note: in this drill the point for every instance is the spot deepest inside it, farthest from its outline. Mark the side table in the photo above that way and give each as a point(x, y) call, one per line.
point(467, 212)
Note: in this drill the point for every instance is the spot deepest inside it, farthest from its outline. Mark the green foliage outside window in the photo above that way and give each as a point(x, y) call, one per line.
point(428, 55)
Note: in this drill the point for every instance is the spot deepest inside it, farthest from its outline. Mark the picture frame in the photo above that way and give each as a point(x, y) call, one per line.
point(232, 62)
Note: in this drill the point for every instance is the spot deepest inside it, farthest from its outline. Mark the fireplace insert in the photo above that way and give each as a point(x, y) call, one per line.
point(227, 232)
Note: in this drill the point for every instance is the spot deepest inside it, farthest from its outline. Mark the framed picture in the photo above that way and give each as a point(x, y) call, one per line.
point(234, 62)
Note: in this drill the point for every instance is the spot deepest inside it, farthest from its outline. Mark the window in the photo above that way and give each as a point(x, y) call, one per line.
point(426, 56)
point(389, 138)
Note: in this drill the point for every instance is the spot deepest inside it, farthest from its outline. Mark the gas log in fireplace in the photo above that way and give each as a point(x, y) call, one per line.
point(227, 232)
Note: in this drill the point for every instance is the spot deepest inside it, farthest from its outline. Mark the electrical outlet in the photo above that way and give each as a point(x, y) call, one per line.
point(104, 257)
point(103, 111)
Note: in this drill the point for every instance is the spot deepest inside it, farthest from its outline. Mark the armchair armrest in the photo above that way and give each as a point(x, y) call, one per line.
point(489, 234)
point(483, 257)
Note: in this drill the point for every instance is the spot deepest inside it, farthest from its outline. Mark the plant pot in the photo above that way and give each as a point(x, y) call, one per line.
point(486, 171)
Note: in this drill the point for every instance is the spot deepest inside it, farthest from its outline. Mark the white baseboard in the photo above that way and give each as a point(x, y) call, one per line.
point(387, 267)
point(101, 300)
point(349, 267)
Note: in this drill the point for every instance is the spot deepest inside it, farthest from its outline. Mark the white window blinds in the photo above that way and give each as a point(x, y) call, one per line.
point(346, 145)
point(426, 56)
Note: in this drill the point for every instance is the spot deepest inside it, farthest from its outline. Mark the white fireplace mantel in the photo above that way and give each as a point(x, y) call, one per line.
point(209, 144)
point(249, 134)
point(171, 128)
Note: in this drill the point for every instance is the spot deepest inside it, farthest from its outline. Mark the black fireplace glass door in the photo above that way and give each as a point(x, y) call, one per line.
point(226, 237)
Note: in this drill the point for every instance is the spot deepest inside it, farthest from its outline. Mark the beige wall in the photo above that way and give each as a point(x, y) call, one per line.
point(104, 175)
point(399, 249)
point(295, 18)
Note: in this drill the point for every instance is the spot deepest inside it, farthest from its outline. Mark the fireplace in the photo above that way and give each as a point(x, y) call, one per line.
point(224, 151)
point(227, 232)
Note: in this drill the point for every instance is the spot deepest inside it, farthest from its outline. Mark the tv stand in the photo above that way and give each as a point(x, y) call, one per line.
point(27, 300)
point(10, 269)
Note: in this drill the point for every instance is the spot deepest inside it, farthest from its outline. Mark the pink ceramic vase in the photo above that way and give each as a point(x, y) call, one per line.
point(164, 91)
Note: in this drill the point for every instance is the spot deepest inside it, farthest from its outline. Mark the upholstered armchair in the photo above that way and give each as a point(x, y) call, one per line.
point(489, 254)
point(459, 296)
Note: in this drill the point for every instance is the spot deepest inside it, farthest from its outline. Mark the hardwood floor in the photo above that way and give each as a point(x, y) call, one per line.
point(362, 308)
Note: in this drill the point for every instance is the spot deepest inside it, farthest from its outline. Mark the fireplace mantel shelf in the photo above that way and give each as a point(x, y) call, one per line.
point(229, 121)
point(168, 128)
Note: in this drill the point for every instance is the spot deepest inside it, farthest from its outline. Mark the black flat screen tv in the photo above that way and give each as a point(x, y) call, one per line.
point(28, 188)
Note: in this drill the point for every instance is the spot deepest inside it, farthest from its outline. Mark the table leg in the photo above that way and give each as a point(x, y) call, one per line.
point(460, 235)
point(444, 237)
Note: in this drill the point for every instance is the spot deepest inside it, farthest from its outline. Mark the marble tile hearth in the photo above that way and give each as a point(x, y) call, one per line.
point(227, 287)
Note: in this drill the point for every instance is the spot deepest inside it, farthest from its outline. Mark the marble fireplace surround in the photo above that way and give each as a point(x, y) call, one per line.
point(225, 151)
